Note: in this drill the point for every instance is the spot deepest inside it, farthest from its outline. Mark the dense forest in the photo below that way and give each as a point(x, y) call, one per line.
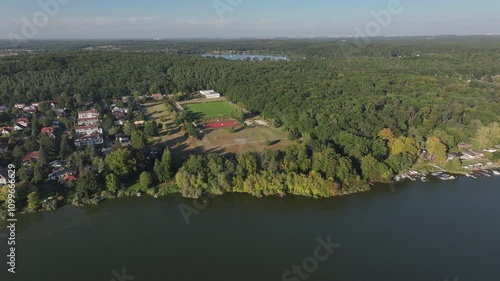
point(359, 114)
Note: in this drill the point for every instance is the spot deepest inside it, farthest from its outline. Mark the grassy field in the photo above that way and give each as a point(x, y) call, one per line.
point(216, 141)
point(210, 110)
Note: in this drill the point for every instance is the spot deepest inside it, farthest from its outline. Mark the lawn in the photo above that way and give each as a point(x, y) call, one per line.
point(210, 110)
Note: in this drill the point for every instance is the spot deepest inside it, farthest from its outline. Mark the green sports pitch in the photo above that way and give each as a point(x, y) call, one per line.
point(210, 110)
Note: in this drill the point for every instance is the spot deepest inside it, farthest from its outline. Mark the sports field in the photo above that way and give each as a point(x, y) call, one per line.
point(210, 110)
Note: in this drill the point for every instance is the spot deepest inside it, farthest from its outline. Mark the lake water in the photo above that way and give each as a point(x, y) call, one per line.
point(432, 231)
point(245, 56)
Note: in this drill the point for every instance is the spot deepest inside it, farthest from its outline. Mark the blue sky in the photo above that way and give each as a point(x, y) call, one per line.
point(246, 18)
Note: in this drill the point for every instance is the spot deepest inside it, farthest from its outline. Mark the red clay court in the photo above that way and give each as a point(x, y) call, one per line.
point(220, 125)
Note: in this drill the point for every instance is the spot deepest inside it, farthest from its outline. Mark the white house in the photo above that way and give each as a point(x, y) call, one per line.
point(19, 127)
point(89, 140)
point(210, 94)
point(87, 121)
point(88, 130)
point(88, 114)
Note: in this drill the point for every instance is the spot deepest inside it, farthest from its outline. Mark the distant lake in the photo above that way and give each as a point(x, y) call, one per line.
point(245, 56)
point(417, 231)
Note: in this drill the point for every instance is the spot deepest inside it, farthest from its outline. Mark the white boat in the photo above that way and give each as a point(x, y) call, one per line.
point(470, 176)
point(496, 173)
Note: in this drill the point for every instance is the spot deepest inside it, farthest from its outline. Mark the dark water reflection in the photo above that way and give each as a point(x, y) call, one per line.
point(433, 231)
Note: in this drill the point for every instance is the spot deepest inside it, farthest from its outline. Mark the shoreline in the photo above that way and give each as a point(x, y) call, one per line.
point(129, 192)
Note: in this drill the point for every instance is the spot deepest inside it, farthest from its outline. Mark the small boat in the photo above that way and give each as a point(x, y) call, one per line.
point(470, 176)
point(496, 173)
point(424, 179)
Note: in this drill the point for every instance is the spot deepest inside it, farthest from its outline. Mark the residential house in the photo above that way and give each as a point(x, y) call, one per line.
point(22, 121)
point(19, 105)
point(4, 108)
point(123, 139)
point(30, 109)
point(125, 99)
point(120, 122)
point(19, 127)
point(88, 114)
point(57, 164)
point(117, 109)
point(88, 130)
point(60, 175)
point(48, 130)
point(119, 114)
point(31, 157)
point(157, 96)
point(89, 140)
point(87, 121)
point(35, 104)
point(68, 178)
point(6, 130)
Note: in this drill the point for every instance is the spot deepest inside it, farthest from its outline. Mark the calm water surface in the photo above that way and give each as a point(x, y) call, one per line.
point(245, 56)
point(433, 231)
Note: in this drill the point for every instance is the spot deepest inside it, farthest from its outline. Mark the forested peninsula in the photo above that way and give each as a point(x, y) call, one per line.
point(354, 115)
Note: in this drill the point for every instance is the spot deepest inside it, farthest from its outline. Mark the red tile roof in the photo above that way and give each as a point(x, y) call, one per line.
point(47, 130)
point(70, 178)
point(7, 128)
point(30, 156)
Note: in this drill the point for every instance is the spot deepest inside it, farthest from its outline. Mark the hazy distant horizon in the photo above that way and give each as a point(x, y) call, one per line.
point(255, 37)
point(201, 19)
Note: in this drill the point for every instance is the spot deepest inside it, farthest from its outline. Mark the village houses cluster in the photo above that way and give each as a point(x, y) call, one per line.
point(87, 132)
